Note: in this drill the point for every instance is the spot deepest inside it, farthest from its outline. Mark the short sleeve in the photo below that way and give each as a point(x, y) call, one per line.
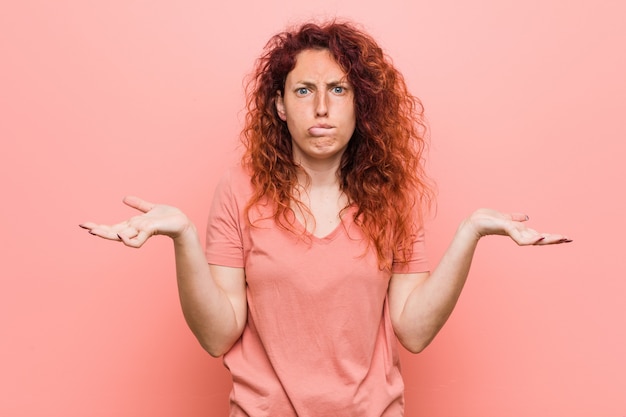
point(224, 241)
point(418, 261)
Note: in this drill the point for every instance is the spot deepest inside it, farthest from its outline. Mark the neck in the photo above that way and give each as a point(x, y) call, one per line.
point(321, 173)
point(318, 176)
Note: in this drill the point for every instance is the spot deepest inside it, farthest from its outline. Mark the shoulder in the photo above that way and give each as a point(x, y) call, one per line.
point(233, 189)
point(235, 181)
point(236, 175)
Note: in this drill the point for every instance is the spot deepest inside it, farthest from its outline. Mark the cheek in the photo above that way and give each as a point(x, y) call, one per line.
point(292, 127)
point(352, 117)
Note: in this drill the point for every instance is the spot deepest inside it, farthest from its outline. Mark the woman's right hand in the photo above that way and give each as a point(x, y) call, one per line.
point(156, 219)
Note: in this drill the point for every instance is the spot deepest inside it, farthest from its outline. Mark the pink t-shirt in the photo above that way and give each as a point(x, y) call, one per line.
point(318, 340)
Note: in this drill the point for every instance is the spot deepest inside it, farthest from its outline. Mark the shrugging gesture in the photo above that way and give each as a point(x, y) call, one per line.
point(333, 152)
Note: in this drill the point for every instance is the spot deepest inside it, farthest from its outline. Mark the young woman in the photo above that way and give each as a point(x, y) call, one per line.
point(315, 266)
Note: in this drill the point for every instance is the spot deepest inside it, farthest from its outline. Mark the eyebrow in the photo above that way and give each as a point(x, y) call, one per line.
point(333, 83)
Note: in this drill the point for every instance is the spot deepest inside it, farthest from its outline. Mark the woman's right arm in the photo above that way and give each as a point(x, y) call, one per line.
point(213, 298)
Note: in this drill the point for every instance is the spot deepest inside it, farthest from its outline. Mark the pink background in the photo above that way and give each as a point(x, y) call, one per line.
point(99, 99)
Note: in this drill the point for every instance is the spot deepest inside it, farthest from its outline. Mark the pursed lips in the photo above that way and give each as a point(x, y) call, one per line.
point(320, 130)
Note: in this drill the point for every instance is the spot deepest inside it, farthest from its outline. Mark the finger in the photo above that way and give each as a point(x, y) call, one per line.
point(87, 225)
point(136, 241)
point(524, 236)
point(127, 233)
point(105, 232)
point(528, 240)
point(138, 204)
point(554, 240)
point(519, 217)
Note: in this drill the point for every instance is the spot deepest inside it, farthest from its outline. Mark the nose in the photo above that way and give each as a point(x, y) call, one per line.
point(321, 104)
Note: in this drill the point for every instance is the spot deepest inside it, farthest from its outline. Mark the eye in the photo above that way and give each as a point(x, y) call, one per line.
point(302, 91)
point(339, 89)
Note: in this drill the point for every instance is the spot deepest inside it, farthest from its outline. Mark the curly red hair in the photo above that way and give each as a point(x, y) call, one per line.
point(382, 169)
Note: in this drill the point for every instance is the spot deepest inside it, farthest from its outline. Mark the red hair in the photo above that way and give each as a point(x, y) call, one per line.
point(381, 170)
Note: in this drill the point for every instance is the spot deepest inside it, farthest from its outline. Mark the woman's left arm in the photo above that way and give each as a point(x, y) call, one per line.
point(421, 303)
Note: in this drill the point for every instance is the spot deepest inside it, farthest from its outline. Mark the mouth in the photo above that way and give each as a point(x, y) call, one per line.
point(320, 130)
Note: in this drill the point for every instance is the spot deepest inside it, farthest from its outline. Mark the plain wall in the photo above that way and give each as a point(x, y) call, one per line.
point(99, 99)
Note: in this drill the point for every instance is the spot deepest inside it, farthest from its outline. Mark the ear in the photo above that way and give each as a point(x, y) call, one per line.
point(280, 106)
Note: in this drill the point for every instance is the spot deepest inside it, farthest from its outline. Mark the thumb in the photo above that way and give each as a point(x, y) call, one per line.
point(138, 204)
point(519, 217)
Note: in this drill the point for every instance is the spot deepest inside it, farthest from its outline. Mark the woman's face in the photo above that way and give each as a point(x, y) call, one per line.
point(318, 106)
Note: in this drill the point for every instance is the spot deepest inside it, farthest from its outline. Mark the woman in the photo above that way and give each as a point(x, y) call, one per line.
point(316, 264)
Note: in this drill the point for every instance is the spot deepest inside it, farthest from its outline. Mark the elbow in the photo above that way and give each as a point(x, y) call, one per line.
point(415, 341)
point(416, 338)
point(416, 345)
point(216, 343)
point(216, 353)
point(214, 348)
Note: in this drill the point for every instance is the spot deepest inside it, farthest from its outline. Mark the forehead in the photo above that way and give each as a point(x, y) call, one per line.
point(316, 64)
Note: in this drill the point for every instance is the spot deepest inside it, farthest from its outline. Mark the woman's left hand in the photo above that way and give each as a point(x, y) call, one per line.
point(491, 222)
